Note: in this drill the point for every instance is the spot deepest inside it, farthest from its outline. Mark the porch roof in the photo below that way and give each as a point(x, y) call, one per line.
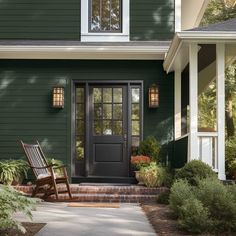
point(178, 54)
point(63, 49)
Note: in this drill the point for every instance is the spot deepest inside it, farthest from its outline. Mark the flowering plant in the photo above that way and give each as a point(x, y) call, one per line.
point(140, 161)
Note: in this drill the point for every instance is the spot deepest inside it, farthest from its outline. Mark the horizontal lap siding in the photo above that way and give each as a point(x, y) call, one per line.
point(152, 20)
point(25, 101)
point(51, 19)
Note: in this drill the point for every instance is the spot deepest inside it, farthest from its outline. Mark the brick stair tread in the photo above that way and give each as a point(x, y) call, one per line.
point(131, 190)
point(104, 197)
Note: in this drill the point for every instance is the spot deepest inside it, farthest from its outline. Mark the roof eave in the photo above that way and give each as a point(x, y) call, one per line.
point(197, 37)
point(82, 52)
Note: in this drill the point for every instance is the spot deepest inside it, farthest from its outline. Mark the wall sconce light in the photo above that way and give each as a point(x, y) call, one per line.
point(58, 97)
point(153, 94)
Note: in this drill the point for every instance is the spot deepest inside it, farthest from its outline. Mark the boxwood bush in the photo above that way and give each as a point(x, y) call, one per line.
point(208, 206)
point(195, 170)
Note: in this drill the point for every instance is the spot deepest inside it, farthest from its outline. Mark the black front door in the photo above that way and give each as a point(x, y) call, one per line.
point(108, 131)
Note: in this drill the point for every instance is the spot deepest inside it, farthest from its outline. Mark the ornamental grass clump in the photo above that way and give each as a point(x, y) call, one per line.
point(12, 201)
point(140, 161)
point(153, 175)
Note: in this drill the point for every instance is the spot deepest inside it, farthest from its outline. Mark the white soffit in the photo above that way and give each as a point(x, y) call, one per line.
point(83, 52)
point(192, 12)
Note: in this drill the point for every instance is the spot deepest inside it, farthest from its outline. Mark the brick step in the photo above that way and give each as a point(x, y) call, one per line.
point(119, 190)
point(104, 198)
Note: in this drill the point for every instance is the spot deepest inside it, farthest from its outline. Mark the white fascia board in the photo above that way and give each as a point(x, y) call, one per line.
point(201, 37)
point(83, 52)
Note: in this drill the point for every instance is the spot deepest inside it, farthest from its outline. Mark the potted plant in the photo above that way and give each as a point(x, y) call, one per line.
point(138, 162)
point(13, 171)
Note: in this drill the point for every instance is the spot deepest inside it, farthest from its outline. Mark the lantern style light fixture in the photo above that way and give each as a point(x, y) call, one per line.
point(153, 94)
point(58, 97)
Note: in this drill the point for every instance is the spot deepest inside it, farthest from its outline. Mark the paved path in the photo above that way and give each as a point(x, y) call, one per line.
point(61, 220)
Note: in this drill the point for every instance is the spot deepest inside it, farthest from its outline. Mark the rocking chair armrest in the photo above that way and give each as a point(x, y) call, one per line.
point(38, 167)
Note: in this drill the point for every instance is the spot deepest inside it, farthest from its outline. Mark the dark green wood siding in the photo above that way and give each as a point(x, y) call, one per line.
point(60, 19)
point(25, 101)
point(42, 19)
point(152, 20)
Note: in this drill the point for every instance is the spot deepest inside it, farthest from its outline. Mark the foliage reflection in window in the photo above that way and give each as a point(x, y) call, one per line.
point(80, 116)
point(105, 16)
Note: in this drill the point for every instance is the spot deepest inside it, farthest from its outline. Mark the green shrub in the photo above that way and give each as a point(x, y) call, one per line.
point(195, 170)
point(194, 217)
point(220, 203)
point(230, 154)
point(12, 201)
point(12, 170)
point(180, 191)
point(152, 175)
point(55, 163)
point(207, 206)
point(163, 197)
point(149, 147)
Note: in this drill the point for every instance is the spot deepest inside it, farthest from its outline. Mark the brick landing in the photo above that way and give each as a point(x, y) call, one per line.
point(81, 193)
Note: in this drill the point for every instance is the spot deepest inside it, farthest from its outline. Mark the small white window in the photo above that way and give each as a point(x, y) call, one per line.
point(104, 20)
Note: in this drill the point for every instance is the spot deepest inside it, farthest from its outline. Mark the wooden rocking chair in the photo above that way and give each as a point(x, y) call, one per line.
point(46, 179)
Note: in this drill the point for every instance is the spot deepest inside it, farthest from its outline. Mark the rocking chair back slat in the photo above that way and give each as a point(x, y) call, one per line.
point(36, 158)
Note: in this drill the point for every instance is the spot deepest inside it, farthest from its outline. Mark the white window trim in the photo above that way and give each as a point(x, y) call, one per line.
point(87, 36)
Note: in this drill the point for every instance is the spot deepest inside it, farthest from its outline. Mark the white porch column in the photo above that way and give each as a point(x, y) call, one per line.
point(177, 103)
point(193, 102)
point(220, 81)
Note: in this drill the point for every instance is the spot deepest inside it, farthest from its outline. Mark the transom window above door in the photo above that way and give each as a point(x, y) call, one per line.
point(105, 15)
point(105, 20)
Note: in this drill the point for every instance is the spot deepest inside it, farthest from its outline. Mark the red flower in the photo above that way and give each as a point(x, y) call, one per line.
point(139, 161)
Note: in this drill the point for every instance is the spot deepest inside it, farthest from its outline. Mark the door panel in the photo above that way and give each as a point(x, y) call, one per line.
point(108, 131)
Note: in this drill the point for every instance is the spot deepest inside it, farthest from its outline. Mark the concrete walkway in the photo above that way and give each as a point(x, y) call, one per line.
point(62, 220)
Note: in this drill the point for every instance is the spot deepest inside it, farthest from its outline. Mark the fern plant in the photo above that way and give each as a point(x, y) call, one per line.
point(12, 201)
point(12, 170)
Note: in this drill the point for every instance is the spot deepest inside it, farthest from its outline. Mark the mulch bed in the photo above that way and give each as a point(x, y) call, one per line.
point(31, 229)
point(162, 220)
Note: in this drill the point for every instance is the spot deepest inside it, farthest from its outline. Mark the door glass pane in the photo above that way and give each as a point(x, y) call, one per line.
point(135, 141)
point(107, 111)
point(135, 127)
point(97, 111)
point(135, 111)
point(107, 95)
point(79, 111)
point(107, 127)
point(97, 127)
point(80, 127)
point(117, 128)
point(117, 95)
point(80, 95)
point(97, 95)
point(80, 147)
point(135, 93)
point(117, 111)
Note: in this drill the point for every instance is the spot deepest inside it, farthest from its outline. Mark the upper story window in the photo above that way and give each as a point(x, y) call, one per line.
point(105, 20)
point(105, 16)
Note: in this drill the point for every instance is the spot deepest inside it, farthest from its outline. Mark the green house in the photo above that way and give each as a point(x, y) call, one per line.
point(77, 76)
